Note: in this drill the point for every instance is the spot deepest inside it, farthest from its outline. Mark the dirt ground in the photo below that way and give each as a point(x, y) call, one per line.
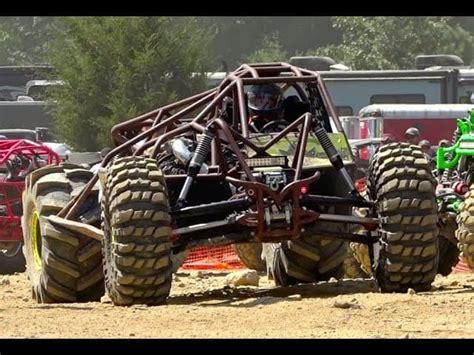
point(201, 306)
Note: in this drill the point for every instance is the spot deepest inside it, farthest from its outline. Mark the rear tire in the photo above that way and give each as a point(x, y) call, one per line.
point(448, 254)
point(177, 260)
point(137, 232)
point(11, 262)
point(62, 266)
point(465, 231)
point(251, 255)
point(353, 267)
point(308, 259)
point(402, 185)
point(448, 251)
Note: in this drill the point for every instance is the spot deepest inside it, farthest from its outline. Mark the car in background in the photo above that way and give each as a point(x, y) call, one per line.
point(38, 89)
point(39, 134)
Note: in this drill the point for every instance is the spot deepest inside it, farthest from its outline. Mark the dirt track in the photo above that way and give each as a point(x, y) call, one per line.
point(202, 307)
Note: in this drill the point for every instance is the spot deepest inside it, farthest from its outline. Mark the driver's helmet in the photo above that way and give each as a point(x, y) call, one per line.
point(265, 101)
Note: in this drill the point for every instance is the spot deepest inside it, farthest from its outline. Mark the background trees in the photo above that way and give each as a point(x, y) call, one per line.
point(118, 67)
point(394, 42)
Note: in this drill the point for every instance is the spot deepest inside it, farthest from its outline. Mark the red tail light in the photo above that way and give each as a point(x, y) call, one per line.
point(461, 188)
point(361, 185)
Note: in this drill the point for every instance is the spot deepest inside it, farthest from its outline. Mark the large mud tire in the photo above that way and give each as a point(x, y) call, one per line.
point(465, 231)
point(307, 259)
point(448, 249)
point(137, 233)
point(353, 267)
point(402, 185)
point(12, 261)
point(448, 254)
point(177, 260)
point(251, 255)
point(61, 266)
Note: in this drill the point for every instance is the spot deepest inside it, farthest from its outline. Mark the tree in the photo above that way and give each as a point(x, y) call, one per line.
point(270, 51)
point(394, 42)
point(238, 36)
point(25, 40)
point(116, 68)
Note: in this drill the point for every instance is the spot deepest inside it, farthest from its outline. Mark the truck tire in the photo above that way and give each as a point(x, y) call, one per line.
point(61, 266)
point(12, 261)
point(402, 186)
point(177, 260)
point(465, 231)
point(353, 267)
point(448, 250)
point(137, 233)
point(251, 255)
point(306, 259)
point(448, 255)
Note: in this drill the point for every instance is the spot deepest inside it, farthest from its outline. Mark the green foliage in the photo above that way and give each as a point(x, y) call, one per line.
point(236, 37)
point(24, 40)
point(394, 42)
point(270, 51)
point(116, 68)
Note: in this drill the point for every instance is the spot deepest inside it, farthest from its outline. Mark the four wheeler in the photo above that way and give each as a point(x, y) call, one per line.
point(262, 158)
point(17, 158)
point(456, 171)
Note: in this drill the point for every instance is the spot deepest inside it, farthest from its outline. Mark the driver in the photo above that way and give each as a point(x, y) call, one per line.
point(265, 103)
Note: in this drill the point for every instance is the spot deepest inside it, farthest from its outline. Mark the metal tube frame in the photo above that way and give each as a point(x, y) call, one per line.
point(168, 122)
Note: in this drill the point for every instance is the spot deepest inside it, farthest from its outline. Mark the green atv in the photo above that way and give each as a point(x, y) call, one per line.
point(455, 174)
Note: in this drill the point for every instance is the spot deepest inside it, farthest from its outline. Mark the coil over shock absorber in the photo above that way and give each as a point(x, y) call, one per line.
point(334, 156)
point(448, 173)
point(199, 156)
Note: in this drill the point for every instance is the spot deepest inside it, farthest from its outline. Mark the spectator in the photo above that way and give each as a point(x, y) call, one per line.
point(412, 135)
point(429, 153)
point(425, 147)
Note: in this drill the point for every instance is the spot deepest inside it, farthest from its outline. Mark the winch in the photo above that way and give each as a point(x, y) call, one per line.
point(274, 177)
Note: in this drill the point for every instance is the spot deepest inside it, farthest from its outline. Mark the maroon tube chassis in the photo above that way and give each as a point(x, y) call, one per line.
point(167, 122)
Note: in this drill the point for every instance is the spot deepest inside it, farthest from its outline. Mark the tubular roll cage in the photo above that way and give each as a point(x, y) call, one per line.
point(161, 125)
point(10, 224)
point(26, 147)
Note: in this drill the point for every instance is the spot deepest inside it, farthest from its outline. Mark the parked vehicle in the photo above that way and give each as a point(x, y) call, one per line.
point(455, 185)
point(437, 79)
point(18, 158)
point(435, 122)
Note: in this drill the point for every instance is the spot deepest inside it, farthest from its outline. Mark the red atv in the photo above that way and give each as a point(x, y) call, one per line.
point(17, 158)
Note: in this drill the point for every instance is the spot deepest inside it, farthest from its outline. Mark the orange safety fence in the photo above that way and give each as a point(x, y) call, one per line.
point(225, 258)
point(212, 257)
point(461, 266)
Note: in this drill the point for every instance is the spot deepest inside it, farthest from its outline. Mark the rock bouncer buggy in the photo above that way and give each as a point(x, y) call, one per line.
point(195, 172)
point(18, 157)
